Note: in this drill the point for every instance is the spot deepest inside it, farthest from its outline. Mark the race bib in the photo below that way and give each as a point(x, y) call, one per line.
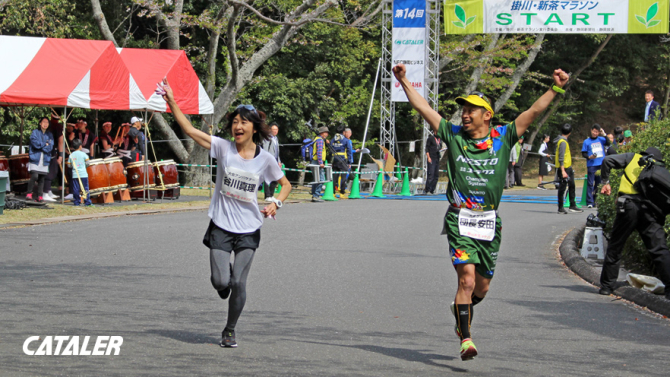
point(597, 149)
point(480, 225)
point(239, 184)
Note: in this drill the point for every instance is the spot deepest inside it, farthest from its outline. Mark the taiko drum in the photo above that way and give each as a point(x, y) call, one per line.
point(98, 178)
point(18, 169)
point(166, 174)
point(136, 175)
point(116, 172)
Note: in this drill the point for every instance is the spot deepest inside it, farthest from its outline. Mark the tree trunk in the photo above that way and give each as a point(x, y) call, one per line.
point(519, 72)
point(476, 75)
point(100, 19)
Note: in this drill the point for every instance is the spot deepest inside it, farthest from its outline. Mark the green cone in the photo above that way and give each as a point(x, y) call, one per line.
point(356, 187)
point(378, 191)
point(405, 185)
point(329, 194)
point(398, 174)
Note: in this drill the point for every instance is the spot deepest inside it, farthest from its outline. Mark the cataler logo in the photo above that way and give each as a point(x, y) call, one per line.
point(69, 346)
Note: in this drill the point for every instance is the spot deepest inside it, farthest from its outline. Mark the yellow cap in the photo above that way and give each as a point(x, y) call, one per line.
point(477, 99)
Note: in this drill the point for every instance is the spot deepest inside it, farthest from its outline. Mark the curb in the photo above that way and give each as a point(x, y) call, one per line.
point(577, 264)
point(54, 220)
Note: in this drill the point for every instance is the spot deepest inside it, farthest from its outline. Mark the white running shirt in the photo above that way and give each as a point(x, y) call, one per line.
point(234, 206)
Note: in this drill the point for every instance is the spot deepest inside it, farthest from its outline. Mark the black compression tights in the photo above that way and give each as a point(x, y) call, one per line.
point(222, 278)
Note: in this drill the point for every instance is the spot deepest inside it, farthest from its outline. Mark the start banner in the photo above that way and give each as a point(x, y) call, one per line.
point(556, 16)
point(409, 45)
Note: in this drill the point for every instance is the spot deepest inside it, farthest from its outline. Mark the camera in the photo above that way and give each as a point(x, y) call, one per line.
point(593, 221)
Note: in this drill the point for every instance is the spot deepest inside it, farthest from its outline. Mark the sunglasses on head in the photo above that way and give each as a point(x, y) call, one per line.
point(248, 107)
point(480, 95)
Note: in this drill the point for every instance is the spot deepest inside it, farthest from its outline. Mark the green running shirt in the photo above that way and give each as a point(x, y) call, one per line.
point(476, 168)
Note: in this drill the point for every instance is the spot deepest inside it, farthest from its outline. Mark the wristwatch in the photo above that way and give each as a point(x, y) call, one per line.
point(277, 202)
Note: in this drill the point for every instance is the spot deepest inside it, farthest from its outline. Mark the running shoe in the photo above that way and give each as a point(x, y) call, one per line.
point(69, 197)
point(29, 196)
point(541, 188)
point(453, 312)
point(468, 350)
point(48, 198)
point(229, 339)
point(224, 293)
point(269, 199)
point(575, 209)
point(562, 211)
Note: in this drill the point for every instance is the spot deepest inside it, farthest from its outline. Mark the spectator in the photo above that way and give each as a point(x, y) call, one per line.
point(272, 147)
point(79, 160)
point(544, 160)
point(593, 149)
point(56, 129)
point(564, 171)
point(652, 110)
point(513, 158)
point(627, 137)
point(41, 145)
point(433, 144)
point(318, 158)
point(518, 172)
point(342, 149)
point(618, 139)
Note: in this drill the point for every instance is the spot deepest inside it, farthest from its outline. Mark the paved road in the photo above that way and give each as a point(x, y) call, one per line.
point(354, 288)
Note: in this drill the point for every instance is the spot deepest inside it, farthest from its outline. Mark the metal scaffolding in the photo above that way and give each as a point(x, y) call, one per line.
point(387, 137)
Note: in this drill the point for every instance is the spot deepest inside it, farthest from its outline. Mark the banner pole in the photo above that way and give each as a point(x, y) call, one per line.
point(367, 123)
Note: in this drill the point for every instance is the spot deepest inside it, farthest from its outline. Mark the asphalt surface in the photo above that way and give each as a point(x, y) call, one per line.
point(353, 288)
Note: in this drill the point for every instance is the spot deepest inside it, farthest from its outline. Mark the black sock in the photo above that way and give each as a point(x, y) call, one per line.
point(463, 319)
point(476, 300)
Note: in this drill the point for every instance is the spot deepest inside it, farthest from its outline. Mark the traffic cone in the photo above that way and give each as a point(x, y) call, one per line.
point(378, 191)
point(398, 174)
point(405, 185)
point(356, 187)
point(278, 188)
point(583, 202)
point(329, 194)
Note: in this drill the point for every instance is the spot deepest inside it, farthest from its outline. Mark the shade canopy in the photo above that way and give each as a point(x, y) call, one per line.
point(77, 73)
point(150, 66)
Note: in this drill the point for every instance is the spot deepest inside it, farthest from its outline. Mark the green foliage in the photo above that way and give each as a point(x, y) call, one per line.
point(48, 18)
point(635, 255)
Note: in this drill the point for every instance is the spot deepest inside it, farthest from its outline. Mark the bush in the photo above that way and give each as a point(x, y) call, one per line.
point(635, 255)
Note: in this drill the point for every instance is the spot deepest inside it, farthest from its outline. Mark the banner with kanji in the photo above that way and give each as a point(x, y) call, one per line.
point(556, 16)
point(409, 45)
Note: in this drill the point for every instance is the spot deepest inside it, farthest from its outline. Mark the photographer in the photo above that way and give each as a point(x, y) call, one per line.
point(634, 212)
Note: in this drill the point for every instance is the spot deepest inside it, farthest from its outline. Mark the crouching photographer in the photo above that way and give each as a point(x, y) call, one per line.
point(643, 203)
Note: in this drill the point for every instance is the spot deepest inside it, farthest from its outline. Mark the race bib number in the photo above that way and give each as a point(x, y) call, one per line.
point(480, 225)
point(239, 184)
point(597, 149)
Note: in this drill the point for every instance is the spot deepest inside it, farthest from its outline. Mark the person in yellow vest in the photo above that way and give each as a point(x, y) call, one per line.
point(634, 212)
point(318, 158)
point(564, 172)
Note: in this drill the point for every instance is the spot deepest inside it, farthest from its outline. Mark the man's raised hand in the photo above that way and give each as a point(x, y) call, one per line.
point(399, 71)
point(560, 78)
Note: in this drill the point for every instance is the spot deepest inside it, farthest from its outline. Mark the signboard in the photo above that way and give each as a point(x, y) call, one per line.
point(556, 16)
point(409, 45)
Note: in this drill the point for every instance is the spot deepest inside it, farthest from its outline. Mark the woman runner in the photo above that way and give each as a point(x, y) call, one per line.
point(235, 225)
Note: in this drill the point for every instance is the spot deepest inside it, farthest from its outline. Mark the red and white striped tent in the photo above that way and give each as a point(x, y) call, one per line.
point(150, 66)
point(77, 73)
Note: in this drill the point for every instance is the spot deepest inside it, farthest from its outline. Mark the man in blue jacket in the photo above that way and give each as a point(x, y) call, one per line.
point(593, 149)
point(652, 110)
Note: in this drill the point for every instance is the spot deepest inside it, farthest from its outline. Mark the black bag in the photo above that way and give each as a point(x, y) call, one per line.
point(654, 184)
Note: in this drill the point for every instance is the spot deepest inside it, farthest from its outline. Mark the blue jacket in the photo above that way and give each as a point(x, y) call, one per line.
point(38, 146)
point(654, 111)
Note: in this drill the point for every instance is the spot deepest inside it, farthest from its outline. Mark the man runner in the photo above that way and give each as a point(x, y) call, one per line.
point(477, 157)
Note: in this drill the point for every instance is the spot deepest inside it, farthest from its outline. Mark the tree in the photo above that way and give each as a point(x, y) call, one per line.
point(251, 35)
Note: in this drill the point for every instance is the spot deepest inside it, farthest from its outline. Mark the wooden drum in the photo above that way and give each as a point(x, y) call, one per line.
point(136, 173)
point(116, 173)
point(18, 169)
point(4, 163)
point(98, 179)
point(168, 174)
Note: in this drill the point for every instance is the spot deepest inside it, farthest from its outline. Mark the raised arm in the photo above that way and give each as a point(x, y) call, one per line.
point(418, 103)
point(203, 139)
point(524, 120)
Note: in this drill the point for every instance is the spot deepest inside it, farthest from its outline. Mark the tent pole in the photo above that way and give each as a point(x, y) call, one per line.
point(96, 132)
point(211, 170)
point(22, 115)
point(62, 179)
point(367, 124)
point(145, 193)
